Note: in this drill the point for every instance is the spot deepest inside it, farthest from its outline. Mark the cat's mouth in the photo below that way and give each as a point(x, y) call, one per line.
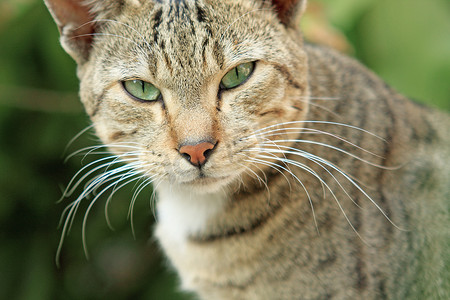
point(207, 183)
point(206, 180)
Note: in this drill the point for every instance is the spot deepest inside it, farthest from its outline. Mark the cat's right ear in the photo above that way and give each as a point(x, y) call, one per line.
point(289, 10)
point(76, 25)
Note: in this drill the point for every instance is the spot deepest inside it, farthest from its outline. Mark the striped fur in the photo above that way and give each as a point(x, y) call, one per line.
point(324, 183)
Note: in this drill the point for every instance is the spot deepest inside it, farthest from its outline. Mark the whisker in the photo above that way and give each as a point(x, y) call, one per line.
point(102, 34)
point(331, 147)
point(310, 102)
point(324, 98)
point(71, 210)
point(73, 186)
point(312, 122)
point(127, 165)
point(108, 200)
point(124, 24)
point(299, 165)
point(315, 158)
point(120, 23)
point(274, 166)
point(153, 197)
point(237, 19)
point(140, 188)
point(76, 137)
point(331, 174)
point(93, 185)
point(260, 180)
point(275, 132)
point(83, 233)
point(91, 149)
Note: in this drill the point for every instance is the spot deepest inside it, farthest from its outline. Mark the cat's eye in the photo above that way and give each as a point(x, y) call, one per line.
point(237, 76)
point(142, 90)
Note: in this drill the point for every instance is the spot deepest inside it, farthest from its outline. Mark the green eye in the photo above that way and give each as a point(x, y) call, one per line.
point(235, 77)
point(142, 90)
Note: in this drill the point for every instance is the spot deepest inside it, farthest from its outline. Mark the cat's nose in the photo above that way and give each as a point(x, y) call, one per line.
point(197, 154)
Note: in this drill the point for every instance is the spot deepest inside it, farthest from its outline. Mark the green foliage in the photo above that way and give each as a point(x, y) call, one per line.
point(407, 42)
point(39, 114)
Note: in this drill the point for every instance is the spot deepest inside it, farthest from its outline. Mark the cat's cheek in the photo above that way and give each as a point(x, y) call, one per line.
point(102, 132)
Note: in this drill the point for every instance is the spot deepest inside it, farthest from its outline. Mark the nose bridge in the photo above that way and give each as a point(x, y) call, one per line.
point(192, 114)
point(194, 122)
point(193, 125)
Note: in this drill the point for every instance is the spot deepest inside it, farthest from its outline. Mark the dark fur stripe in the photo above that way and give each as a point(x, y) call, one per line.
point(157, 18)
point(288, 76)
point(201, 14)
point(218, 54)
point(98, 101)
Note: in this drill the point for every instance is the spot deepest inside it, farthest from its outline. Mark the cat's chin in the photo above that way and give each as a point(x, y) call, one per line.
point(207, 185)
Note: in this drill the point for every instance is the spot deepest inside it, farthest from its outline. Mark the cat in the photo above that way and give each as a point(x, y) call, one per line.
point(283, 170)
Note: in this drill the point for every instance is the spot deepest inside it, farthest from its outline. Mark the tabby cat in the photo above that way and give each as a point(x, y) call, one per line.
point(282, 170)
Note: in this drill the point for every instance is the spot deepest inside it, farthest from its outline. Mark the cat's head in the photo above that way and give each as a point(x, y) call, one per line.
point(184, 88)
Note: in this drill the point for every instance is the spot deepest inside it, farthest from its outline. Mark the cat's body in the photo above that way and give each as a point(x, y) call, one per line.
point(273, 251)
point(252, 217)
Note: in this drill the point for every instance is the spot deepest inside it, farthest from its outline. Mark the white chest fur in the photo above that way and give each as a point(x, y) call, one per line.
point(183, 212)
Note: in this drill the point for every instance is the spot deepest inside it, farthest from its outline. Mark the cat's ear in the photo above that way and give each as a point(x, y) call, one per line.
point(76, 25)
point(289, 10)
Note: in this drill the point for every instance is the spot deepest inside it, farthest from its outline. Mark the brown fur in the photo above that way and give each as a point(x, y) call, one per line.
point(380, 232)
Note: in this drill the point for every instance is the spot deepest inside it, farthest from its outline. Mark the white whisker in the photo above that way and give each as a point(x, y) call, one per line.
point(148, 180)
point(117, 188)
point(316, 159)
point(326, 170)
point(297, 164)
point(324, 98)
point(309, 101)
point(274, 166)
point(76, 137)
point(258, 131)
point(116, 172)
point(260, 180)
point(327, 146)
point(153, 197)
point(114, 35)
point(91, 204)
point(276, 132)
point(126, 25)
point(91, 149)
point(237, 19)
point(93, 185)
point(73, 186)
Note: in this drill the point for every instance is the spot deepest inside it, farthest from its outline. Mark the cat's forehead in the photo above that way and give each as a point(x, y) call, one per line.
point(183, 31)
point(182, 36)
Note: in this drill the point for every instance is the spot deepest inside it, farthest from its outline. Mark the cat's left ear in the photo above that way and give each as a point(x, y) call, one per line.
point(76, 25)
point(289, 10)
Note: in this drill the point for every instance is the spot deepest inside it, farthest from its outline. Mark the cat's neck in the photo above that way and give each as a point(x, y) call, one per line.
point(183, 212)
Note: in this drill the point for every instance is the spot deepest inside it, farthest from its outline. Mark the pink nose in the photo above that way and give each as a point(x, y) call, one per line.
point(197, 154)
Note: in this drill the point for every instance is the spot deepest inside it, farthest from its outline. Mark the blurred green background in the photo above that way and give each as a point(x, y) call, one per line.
point(407, 42)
